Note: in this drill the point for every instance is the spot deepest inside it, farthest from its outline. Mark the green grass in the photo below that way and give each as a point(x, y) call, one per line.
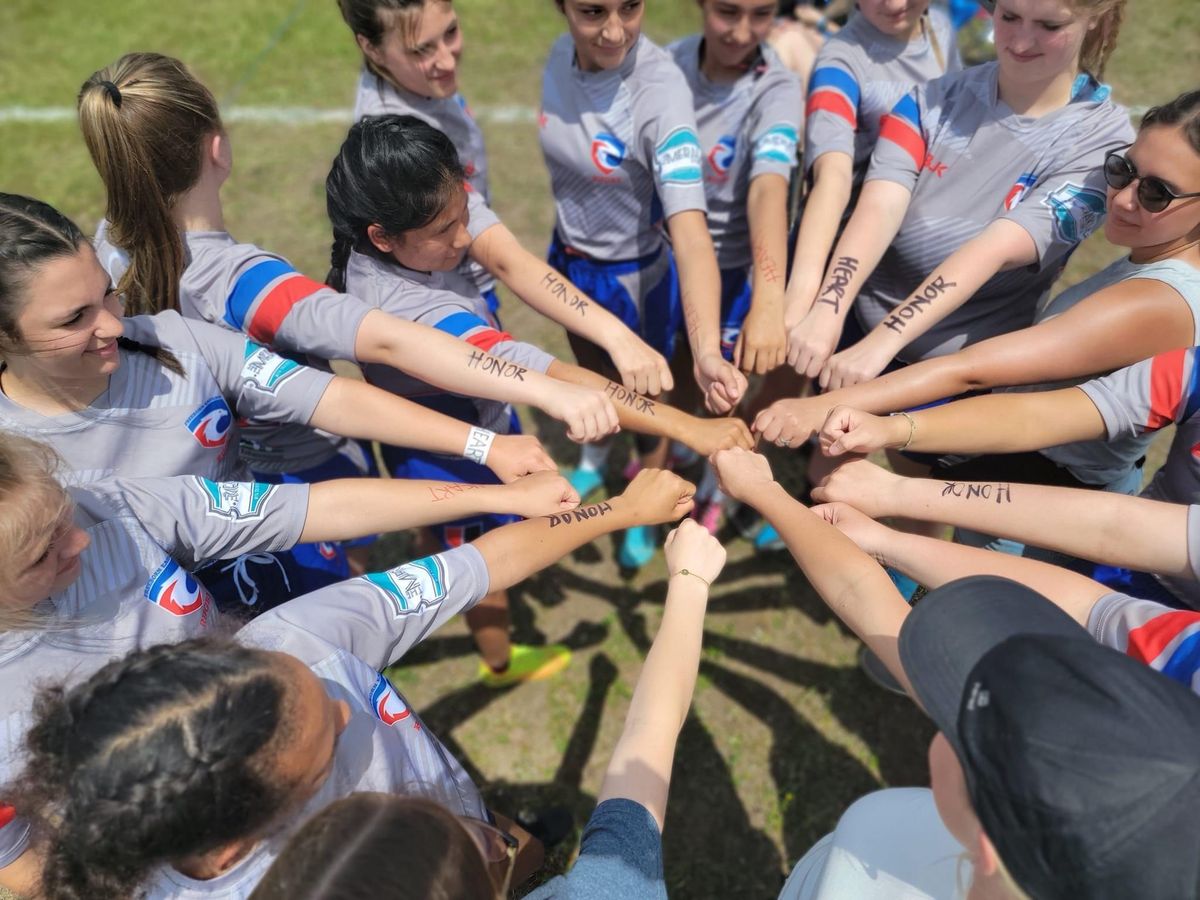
point(785, 732)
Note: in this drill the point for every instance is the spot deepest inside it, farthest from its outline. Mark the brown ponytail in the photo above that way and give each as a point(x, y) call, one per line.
point(144, 119)
point(1100, 41)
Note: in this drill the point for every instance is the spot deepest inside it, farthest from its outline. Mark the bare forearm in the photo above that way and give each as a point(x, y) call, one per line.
point(852, 584)
point(348, 508)
point(766, 210)
point(23, 876)
point(699, 280)
point(933, 563)
point(635, 412)
point(823, 210)
point(1115, 529)
point(358, 410)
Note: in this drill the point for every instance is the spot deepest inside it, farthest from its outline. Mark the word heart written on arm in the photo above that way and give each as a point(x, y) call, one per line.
point(834, 291)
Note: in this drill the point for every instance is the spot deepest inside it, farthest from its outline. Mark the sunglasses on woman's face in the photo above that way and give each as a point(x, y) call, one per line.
point(1152, 192)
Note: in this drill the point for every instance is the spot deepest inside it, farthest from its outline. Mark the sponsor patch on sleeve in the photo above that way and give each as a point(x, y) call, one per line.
point(1077, 211)
point(266, 370)
point(777, 144)
point(679, 157)
point(241, 500)
point(412, 586)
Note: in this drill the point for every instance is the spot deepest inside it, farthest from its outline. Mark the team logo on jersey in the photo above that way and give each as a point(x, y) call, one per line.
point(389, 707)
point(176, 590)
point(1077, 211)
point(679, 157)
point(1020, 188)
point(327, 550)
point(608, 152)
point(777, 144)
point(412, 586)
point(241, 500)
point(210, 423)
point(266, 370)
point(721, 156)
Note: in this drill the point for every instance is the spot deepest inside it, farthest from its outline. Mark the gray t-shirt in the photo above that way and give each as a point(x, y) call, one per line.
point(969, 160)
point(346, 633)
point(622, 150)
point(859, 74)
point(152, 421)
point(376, 96)
point(746, 129)
point(1104, 462)
point(135, 587)
point(448, 302)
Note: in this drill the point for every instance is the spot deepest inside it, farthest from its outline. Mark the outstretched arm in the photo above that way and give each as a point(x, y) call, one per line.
point(347, 508)
point(762, 345)
point(455, 365)
point(354, 409)
point(1115, 529)
point(850, 582)
point(642, 369)
point(645, 416)
point(700, 290)
point(640, 768)
point(996, 423)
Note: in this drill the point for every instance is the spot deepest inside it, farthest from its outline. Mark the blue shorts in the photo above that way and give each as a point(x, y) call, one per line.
point(659, 315)
point(402, 462)
point(735, 303)
point(256, 582)
point(356, 460)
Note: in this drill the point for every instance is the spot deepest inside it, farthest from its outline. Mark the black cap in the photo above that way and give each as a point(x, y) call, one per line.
point(1083, 765)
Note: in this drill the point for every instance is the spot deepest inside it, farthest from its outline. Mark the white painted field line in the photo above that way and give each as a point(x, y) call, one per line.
point(268, 115)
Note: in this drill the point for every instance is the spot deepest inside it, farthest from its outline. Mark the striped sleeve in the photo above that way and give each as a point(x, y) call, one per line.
point(1149, 395)
point(901, 147)
point(487, 336)
point(831, 113)
point(263, 295)
point(1163, 638)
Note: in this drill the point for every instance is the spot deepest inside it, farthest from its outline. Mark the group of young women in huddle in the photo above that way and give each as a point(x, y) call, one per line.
point(176, 381)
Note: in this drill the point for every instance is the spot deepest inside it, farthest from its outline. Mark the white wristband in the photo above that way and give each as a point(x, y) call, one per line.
point(479, 442)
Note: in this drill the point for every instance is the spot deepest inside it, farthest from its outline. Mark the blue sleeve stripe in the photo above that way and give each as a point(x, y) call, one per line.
point(249, 287)
point(1184, 661)
point(1193, 389)
point(460, 323)
point(836, 78)
point(906, 108)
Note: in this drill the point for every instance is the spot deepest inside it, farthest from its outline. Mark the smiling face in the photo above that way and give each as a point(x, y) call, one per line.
point(1039, 40)
point(1162, 151)
point(897, 18)
point(423, 59)
point(734, 29)
point(67, 329)
point(604, 31)
point(438, 246)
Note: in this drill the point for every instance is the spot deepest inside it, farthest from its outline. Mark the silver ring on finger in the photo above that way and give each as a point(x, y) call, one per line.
point(784, 443)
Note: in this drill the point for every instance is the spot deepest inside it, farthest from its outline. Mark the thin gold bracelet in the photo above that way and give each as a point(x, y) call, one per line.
point(693, 574)
point(912, 428)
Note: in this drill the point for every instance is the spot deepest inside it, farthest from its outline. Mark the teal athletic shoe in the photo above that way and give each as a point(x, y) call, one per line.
point(586, 482)
point(637, 547)
point(768, 540)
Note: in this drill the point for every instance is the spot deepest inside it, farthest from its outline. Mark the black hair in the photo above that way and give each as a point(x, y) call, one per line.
point(33, 233)
point(1183, 111)
point(154, 758)
point(396, 172)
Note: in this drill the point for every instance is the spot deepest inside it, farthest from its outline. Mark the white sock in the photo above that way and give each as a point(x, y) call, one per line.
point(594, 457)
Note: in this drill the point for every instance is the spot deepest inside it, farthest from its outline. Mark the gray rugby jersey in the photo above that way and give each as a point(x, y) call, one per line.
point(969, 160)
point(859, 74)
point(450, 303)
point(452, 116)
point(746, 129)
point(1158, 635)
point(152, 421)
point(621, 147)
point(1102, 462)
point(135, 588)
point(346, 633)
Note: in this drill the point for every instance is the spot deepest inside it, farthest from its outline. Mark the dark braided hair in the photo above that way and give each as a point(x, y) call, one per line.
point(156, 757)
point(396, 172)
point(33, 233)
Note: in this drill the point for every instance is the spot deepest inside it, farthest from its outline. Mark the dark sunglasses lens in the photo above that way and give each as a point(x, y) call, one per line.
point(1117, 171)
point(1153, 194)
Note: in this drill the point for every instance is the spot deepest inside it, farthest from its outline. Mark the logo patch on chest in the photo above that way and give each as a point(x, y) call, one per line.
point(177, 591)
point(720, 157)
point(387, 704)
point(210, 423)
point(608, 152)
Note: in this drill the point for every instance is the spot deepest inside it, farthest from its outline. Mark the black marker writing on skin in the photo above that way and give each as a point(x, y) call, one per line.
point(501, 368)
point(917, 304)
point(628, 398)
point(561, 290)
point(448, 491)
point(834, 291)
point(1000, 492)
point(580, 515)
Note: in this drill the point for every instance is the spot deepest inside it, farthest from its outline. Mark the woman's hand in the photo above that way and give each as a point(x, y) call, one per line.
point(762, 345)
point(791, 422)
point(854, 365)
point(723, 385)
point(515, 455)
point(541, 494)
point(742, 473)
point(849, 430)
point(656, 496)
point(707, 436)
point(811, 341)
point(871, 537)
point(691, 547)
point(588, 414)
point(863, 485)
point(642, 369)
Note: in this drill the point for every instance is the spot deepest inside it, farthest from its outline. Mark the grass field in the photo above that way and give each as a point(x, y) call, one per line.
point(784, 732)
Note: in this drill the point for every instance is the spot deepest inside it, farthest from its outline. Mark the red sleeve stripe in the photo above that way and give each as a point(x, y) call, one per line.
point(904, 135)
point(7, 814)
point(278, 303)
point(1166, 388)
point(487, 338)
point(831, 101)
point(1148, 642)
